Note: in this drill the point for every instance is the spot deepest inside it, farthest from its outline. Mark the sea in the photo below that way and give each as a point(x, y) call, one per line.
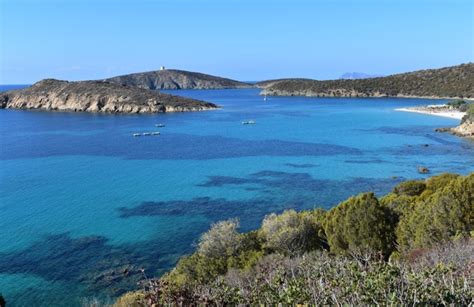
point(88, 211)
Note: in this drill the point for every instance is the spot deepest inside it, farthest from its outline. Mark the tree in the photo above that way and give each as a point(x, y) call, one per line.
point(360, 225)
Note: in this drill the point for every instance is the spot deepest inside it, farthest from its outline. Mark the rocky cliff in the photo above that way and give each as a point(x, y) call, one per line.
point(466, 128)
point(96, 96)
point(176, 79)
point(455, 81)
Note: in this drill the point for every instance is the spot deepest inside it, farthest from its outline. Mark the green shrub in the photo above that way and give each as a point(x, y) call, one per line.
point(360, 225)
point(222, 240)
point(456, 103)
point(445, 214)
point(277, 265)
point(130, 299)
point(291, 233)
point(410, 188)
point(436, 183)
point(469, 117)
point(219, 249)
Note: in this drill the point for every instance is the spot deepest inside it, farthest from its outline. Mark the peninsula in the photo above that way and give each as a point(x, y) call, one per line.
point(449, 82)
point(96, 96)
point(172, 79)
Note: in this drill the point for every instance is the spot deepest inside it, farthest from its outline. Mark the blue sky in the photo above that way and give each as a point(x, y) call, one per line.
point(245, 40)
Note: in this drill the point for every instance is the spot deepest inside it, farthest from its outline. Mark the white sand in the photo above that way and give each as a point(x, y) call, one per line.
point(436, 110)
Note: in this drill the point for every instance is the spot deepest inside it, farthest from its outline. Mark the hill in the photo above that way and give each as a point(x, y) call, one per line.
point(171, 79)
point(449, 82)
point(96, 96)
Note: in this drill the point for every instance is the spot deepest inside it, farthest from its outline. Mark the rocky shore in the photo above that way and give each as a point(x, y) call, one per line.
point(98, 97)
point(464, 129)
point(172, 79)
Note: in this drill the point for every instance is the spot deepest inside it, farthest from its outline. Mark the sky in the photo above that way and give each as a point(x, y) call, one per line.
point(240, 39)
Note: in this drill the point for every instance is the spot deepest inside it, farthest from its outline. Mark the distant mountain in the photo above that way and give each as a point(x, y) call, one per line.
point(357, 75)
point(267, 83)
point(448, 82)
point(172, 79)
point(96, 96)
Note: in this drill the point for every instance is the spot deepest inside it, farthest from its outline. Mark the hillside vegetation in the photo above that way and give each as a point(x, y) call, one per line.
point(412, 246)
point(455, 81)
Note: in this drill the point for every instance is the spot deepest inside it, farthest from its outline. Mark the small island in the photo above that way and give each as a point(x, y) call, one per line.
point(97, 97)
point(173, 79)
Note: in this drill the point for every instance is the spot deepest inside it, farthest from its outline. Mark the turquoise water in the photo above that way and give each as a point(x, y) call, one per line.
point(84, 205)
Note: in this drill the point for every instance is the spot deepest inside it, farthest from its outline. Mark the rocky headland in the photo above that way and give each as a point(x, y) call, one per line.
point(465, 128)
point(449, 82)
point(456, 109)
point(98, 97)
point(171, 79)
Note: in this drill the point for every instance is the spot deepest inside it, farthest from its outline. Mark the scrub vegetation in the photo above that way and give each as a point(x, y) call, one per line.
point(413, 246)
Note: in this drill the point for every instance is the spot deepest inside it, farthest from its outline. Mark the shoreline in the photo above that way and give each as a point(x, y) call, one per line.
point(436, 110)
point(264, 92)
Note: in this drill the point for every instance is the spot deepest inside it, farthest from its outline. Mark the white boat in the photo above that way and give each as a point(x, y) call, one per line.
point(136, 134)
point(265, 98)
point(146, 133)
point(159, 125)
point(155, 133)
point(249, 122)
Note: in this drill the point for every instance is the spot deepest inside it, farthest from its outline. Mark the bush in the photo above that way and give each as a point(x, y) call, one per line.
point(439, 182)
point(456, 103)
point(130, 299)
point(444, 215)
point(432, 221)
point(320, 279)
point(222, 240)
point(360, 225)
point(410, 188)
point(469, 117)
point(291, 233)
point(219, 249)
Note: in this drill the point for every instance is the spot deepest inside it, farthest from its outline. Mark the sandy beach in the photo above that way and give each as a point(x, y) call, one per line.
point(436, 110)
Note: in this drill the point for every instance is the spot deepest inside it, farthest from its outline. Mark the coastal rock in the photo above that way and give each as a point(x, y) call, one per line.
point(172, 79)
point(465, 129)
point(423, 170)
point(448, 82)
point(97, 97)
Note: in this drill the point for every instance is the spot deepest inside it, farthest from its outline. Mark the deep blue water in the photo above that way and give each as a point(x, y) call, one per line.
point(84, 205)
